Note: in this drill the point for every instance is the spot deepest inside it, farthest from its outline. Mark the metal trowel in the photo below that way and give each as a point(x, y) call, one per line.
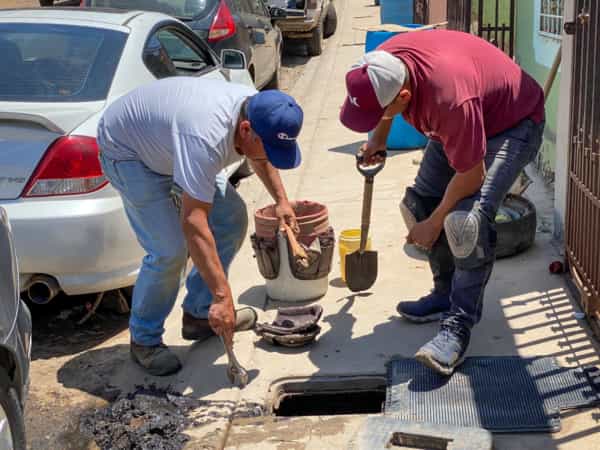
point(361, 266)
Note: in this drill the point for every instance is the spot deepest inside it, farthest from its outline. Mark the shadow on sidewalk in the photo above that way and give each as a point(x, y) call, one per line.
point(109, 372)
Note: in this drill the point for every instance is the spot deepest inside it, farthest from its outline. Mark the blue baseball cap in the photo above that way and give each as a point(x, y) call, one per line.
point(277, 119)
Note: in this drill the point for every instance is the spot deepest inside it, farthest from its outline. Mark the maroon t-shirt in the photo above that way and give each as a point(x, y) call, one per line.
point(464, 91)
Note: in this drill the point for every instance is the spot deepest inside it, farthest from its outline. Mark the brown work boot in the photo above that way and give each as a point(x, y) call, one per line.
point(156, 360)
point(194, 329)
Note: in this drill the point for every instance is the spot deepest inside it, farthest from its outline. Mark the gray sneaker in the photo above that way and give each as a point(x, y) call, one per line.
point(446, 351)
point(194, 329)
point(156, 360)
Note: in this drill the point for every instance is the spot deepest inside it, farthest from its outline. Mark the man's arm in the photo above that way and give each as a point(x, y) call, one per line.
point(378, 140)
point(464, 142)
point(203, 250)
point(382, 131)
point(269, 176)
point(462, 185)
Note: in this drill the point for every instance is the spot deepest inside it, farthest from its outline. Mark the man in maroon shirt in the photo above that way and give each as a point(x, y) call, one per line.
point(485, 118)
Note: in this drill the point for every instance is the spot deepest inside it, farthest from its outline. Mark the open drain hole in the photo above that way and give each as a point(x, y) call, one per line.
point(417, 441)
point(329, 397)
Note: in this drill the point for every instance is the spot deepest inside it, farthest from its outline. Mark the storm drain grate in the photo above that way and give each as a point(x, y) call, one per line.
point(501, 394)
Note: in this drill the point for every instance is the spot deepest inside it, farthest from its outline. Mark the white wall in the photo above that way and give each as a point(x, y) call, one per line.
point(563, 132)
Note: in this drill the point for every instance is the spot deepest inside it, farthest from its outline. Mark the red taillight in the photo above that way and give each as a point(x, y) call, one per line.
point(70, 166)
point(223, 25)
point(82, 3)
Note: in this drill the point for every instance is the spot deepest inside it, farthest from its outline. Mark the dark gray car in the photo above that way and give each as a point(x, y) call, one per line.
point(15, 345)
point(244, 25)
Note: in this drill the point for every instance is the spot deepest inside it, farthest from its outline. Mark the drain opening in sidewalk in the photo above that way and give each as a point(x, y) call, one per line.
point(417, 441)
point(328, 397)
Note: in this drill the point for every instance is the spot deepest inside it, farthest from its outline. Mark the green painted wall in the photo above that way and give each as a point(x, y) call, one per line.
point(535, 53)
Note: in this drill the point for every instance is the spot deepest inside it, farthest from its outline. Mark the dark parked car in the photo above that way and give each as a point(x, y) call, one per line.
point(310, 20)
point(245, 25)
point(15, 345)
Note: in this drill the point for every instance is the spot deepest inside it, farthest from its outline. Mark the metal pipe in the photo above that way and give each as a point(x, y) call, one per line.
point(42, 289)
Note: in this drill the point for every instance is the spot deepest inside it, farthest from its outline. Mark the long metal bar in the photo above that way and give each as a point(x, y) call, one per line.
point(595, 141)
point(583, 195)
point(480, 18)
point(497, 20)
point(593, 138)
point(511, 36)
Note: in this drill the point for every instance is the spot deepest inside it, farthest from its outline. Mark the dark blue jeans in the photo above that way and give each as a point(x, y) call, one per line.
point(507, 154)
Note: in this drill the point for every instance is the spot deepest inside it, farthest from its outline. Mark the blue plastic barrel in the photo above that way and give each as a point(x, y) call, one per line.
point(396, 11)
point(402, 135)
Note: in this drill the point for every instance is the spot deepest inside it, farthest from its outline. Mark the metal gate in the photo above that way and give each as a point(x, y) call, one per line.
point(583, 194)
point(459, 15)
point(492, 20)
point(496, 23)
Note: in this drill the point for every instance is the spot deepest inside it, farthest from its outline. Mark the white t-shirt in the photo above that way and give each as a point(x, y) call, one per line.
point(179, 126)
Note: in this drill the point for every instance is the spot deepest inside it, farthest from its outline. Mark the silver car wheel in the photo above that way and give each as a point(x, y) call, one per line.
point(6, 440)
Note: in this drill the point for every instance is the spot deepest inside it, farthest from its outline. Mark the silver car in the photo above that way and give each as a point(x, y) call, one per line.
point(15, 345)
point(60, 70)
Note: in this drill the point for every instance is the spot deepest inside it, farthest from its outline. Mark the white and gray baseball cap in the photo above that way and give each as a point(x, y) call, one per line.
point(372, 84)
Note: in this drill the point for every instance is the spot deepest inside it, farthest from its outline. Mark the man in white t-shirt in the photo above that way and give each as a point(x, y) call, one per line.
point(183, 132)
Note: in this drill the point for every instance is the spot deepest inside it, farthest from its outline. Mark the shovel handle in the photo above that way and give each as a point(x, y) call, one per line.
point(371, 170)
point(366, 213)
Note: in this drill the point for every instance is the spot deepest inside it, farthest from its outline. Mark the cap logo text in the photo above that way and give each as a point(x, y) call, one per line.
point(285, 137)
point(354, 101)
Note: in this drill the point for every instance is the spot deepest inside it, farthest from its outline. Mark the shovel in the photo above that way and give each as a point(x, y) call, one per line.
point(361, 266)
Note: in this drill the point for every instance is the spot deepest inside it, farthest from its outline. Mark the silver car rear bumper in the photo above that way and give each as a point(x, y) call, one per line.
point(85, 243)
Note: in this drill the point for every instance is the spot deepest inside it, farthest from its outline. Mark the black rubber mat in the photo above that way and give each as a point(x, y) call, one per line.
point(500, 394)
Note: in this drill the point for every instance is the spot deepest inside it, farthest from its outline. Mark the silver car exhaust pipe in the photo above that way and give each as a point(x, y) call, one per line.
point(42, 289)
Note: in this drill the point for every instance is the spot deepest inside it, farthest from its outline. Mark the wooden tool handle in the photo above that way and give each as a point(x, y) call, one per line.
point(366, 213)
point(297, 250)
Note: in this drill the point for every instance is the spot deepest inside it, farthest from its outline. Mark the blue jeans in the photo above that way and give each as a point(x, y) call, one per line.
point(155, 220)
point(507, 154)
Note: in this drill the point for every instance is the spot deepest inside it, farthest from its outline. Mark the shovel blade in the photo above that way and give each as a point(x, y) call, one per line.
point(361, 270)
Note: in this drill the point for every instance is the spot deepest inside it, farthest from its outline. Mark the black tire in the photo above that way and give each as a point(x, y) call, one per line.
point(315, 42)
point(46, 2)
point(127, 293)
point(517, 235)
point(9, 401)
point(330, 21)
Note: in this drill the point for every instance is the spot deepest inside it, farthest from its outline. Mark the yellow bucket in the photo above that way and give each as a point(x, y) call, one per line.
point(349, 243)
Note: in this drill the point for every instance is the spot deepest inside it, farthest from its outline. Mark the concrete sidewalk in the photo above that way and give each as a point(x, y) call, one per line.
point(527, 311)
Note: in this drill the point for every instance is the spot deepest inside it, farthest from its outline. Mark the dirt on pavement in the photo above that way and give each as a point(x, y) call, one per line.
point(68, 376)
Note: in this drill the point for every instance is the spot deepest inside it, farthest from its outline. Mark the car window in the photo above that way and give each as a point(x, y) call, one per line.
point(242, 5)
point(258, 7)
point(183, 9)
point(57, 63)
point(169, 53)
